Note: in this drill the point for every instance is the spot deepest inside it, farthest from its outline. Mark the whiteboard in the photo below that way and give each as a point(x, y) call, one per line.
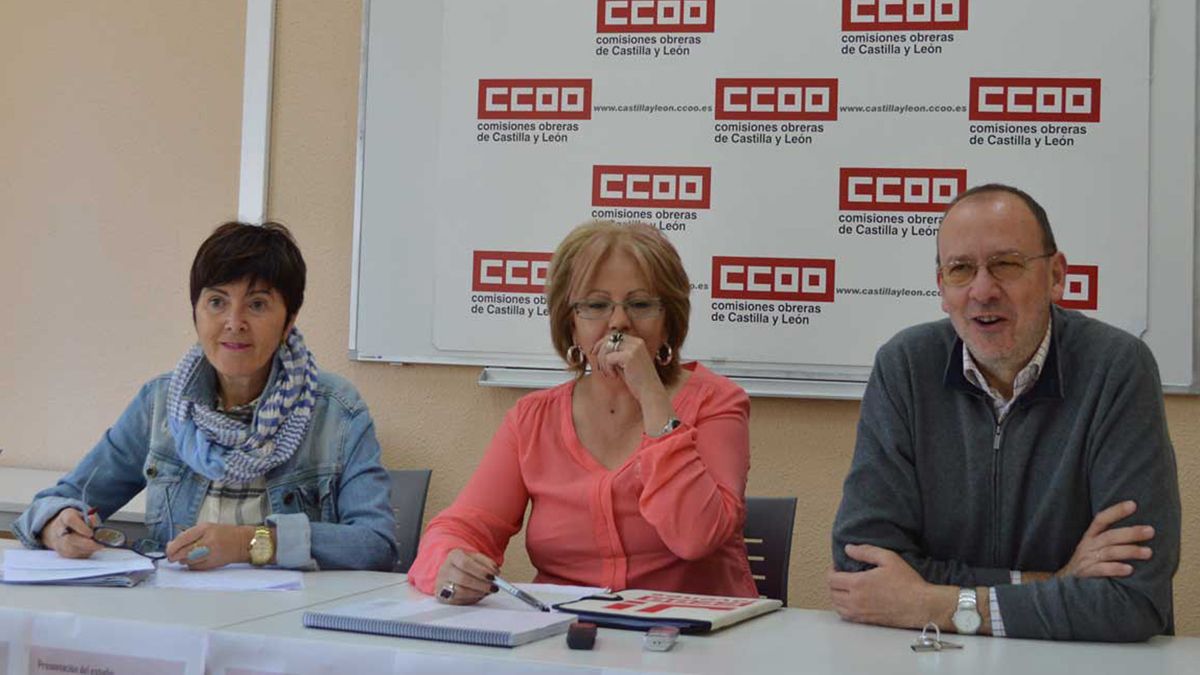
point(424, 188)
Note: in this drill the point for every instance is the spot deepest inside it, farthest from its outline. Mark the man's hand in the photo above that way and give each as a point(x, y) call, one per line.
point(1102, 552)
point(892, 594)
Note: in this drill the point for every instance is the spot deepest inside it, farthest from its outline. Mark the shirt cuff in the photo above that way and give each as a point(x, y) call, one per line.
point(293, 541)
point(994, 610)
point(1015, 577)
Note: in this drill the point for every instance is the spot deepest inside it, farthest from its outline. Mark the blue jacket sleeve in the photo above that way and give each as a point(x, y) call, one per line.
point(111, 473)
point(364, 535)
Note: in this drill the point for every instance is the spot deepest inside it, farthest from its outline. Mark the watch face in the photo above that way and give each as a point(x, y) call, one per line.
point(966, 621)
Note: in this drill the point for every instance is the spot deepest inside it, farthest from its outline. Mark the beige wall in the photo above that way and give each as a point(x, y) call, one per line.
point(119, 137)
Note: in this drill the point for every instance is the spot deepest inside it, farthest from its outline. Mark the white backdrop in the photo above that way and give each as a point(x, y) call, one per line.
point(797, 161)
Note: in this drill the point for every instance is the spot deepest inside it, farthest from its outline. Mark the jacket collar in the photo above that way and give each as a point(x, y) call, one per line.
point(1048, 384)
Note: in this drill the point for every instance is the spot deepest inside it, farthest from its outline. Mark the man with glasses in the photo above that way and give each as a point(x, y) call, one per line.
point(1013, 474)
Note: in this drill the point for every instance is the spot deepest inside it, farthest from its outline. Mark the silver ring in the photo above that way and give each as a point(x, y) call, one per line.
point(447, 592)
point(614, 340)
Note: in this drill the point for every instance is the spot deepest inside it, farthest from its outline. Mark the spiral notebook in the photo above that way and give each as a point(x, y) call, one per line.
point(427, 619)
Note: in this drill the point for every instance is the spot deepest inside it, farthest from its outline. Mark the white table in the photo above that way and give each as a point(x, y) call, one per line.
point(790, 640)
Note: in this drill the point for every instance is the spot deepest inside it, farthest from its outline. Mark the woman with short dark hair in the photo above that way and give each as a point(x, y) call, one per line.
point(247, 452)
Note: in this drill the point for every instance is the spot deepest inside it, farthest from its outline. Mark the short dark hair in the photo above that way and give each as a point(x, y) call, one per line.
point(266, 253)
point(1039, 213)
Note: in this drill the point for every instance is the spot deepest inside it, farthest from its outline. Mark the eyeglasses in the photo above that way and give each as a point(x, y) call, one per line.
point(111, 537)
point(602, 308)
point(1002, 267)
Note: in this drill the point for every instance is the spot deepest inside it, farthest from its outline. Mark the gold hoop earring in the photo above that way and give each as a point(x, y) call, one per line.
point(575, 355)
point(664, 359)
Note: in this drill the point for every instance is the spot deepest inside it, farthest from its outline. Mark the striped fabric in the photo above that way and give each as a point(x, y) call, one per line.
point(236, 503)
point(226, 449)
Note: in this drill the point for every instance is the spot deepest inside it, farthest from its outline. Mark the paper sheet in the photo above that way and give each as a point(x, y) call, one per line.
point(236, 577)
point(22, 566)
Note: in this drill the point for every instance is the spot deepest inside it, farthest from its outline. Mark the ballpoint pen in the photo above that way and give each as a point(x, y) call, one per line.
point(521, 595)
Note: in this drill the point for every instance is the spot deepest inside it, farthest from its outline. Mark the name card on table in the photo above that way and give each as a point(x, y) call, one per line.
point(80, 645)
point(241, 654)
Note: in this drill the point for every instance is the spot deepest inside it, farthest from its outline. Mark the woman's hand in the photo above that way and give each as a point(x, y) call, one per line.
point(471, 574)
point(631, 361)
point(70, 534)
point(209, 545)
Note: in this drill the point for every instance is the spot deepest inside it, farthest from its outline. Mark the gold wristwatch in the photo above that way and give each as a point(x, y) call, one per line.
point(262, 546)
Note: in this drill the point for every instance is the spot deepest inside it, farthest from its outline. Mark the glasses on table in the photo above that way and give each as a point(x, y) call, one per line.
point(1002, 267)
point(637, 308)
point(111, 537)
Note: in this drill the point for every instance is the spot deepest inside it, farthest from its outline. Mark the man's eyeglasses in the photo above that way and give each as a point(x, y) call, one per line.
point(602, 308)
point(1002, 267)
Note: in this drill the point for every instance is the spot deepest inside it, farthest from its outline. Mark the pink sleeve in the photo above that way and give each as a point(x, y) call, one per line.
point(695, 477)
point(484, 516)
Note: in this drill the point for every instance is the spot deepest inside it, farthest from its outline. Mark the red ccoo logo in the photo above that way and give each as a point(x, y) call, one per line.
point(794, 279)
point(770, 98)
point(674, 187)
point(1081, 289)
point(510, 271)
point(654, 16)
point(535, 99)
point(904, 15)
point(1035, 99)
point(899, 189)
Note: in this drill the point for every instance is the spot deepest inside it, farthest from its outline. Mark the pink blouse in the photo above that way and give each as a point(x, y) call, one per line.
point(669, 518)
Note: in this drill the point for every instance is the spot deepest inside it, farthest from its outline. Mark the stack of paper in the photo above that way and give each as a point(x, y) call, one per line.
point(107, 567)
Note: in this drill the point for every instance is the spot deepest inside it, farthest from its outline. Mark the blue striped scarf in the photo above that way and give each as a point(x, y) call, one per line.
point(226, 449)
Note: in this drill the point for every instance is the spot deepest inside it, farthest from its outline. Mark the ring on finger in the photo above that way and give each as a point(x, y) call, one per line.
point(447, 591)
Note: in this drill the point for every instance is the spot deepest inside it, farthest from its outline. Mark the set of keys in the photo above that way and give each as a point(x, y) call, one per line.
point(933, 643)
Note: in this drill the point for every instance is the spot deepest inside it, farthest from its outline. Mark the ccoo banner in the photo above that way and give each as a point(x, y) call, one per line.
point(798, 154)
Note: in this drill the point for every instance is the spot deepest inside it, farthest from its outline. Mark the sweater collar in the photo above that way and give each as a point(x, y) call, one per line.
point(1048, 384)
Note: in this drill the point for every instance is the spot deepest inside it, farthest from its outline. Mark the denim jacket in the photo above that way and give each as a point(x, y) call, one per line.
point(329, 502)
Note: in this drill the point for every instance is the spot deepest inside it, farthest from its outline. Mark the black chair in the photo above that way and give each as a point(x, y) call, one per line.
point(409, 488)
point(768, 535)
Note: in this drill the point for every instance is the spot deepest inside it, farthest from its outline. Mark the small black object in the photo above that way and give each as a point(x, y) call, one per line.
point(581, 635)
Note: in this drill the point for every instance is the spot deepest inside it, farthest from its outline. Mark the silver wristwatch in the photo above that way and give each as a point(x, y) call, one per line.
point(966, 618)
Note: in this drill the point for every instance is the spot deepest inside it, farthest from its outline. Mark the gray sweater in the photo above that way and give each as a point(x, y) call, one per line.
point(965, 500)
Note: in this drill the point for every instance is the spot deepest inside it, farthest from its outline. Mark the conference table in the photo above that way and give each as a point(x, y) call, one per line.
point(261, 632)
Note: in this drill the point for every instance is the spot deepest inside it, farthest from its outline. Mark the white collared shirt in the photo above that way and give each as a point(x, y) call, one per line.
point(1021, 384)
